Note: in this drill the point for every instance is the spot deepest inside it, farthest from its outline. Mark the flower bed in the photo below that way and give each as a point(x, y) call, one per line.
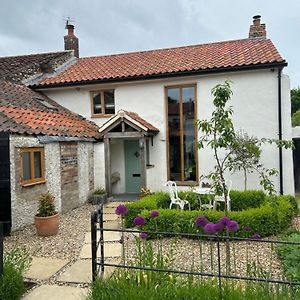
point(261, 214)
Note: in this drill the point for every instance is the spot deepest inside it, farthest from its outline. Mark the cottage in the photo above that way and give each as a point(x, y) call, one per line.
point(126, 121)
point(44, 146)
point(168, 89)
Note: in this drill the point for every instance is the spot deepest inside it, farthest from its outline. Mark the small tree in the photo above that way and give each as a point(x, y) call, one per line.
point(219, 134)
point(295, 100)
point(233, 152)
point(245, 157)
point(296, 118)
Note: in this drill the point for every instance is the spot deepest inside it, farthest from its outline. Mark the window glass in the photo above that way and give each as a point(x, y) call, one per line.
point(97, 104)
point(26, 165)
point(32, 166)
point(188, 114)
point(37, 165)
point(174, 133)
point(181, 133)
point(109, 102)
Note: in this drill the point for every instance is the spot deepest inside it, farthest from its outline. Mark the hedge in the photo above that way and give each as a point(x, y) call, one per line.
point(271, 217)
point(239, 201)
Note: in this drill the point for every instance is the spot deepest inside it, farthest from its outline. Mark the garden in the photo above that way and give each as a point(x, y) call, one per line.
point(247, 250)
point(205, 252)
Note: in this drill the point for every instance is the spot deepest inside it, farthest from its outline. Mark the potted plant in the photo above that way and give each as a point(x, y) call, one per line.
point(47, 218)
point(99, 196)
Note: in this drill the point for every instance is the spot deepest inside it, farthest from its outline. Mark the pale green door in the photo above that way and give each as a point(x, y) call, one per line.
point(132, 166)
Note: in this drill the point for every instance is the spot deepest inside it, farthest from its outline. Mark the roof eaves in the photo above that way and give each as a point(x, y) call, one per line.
point(270, 65)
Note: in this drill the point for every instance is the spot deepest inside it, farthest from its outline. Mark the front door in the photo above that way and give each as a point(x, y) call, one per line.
point(5, 202)
point(132, 166)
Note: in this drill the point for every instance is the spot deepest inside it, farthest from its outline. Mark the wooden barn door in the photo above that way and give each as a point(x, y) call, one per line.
point(5, 200)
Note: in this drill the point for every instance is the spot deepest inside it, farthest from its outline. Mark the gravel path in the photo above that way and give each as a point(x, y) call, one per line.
point(196, 255)
point(66, 245)
point(188, 253)
point(296, 223)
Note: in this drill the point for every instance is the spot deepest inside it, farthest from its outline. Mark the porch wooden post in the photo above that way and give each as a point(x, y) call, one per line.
point(142, 144)
point(107, 167)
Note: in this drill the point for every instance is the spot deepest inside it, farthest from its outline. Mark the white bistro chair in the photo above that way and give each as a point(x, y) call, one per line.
point(173, 192)
point(221, 198)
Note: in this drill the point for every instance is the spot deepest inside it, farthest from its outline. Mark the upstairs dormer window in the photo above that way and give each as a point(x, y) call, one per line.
point(103, 103)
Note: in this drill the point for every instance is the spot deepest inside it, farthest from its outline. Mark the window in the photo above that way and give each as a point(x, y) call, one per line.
point(103, 103)
point(32, 166)
point(181, 133)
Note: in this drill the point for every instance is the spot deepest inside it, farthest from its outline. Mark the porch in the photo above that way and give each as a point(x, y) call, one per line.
point(127, 138)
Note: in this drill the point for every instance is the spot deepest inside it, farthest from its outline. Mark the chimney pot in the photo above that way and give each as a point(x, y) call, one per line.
point(70, 29)
point(257, 30)
point(71, 40)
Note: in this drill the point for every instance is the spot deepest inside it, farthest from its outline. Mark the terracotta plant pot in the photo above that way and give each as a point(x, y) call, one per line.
point(46, 226)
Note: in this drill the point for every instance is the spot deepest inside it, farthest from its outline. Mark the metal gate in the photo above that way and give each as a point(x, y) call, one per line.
point(5, 199)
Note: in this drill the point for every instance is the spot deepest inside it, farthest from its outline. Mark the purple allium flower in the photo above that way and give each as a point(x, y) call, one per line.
point(121, 210)
point(224, 221)
point(232, 226)
point(218, 227)
point(247, 229)
point(256, 236)
point(139, 221)
point(201, 221)
point(143, 235)
point(209, 228)
point(154, 214)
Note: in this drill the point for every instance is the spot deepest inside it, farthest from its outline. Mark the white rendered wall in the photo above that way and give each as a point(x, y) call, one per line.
point(255, 104)
point(99, 165)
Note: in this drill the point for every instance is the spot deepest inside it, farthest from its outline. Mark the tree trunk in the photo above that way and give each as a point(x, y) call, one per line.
point(245, 179)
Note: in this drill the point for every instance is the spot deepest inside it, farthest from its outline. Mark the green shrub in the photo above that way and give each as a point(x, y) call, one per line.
point(246, 199)
point(46, 205)
point(16, 262)
point(12, 286)
point(290, 256)
point(135, 208)
point(272, 217)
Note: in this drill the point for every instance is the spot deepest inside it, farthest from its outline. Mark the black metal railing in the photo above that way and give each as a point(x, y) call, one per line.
point(217, 242)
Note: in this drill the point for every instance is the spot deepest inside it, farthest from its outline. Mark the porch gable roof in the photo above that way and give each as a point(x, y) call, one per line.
point(132, 119)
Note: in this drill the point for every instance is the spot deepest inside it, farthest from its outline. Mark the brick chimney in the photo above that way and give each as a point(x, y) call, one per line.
point(257, 30)
point(71, 41)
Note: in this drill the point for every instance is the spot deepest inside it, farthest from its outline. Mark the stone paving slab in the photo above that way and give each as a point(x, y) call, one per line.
point(109, 224)
point(109, 236)
point(56, 292)
point(113, 204)
point(110, 250)
point(43, 268)
point(81, 271)
point(109, 210)
point(110, 217)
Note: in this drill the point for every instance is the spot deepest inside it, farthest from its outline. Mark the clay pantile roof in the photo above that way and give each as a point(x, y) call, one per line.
point(130, 116)
point(18, 68)
point(141, 121)
point(221, 55)
point(25, 111)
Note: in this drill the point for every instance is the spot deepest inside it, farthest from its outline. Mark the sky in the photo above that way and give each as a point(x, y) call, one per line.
point(116, 26)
